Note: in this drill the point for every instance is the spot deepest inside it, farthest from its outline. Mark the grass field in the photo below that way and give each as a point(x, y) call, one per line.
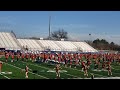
point(43, 71)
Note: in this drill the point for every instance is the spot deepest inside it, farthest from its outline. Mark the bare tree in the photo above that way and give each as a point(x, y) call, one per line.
point(60, 34)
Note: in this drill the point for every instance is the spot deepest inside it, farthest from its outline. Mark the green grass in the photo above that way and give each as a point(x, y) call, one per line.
point(2, 77)
point(17, 73)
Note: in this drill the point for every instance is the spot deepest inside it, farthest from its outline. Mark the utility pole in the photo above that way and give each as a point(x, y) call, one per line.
point(49, 26)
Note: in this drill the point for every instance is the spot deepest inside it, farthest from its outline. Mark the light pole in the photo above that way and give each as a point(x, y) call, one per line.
point(49, 26)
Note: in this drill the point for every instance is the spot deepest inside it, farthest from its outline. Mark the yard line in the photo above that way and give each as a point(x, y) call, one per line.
point(29, 71)
point(36, 65)
point(81, 71)
point(48, 68)
point(4, 76)
point(115, 69)
point(70, 75)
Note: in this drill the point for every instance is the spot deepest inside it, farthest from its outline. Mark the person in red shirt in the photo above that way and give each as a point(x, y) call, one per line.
point(83, 65)
point(65, 59)
point(18, 56)
point(27, 56)
point(1, 63)
point(33, 57)
point(12, 57)
point(103, 65)
point(22, 56)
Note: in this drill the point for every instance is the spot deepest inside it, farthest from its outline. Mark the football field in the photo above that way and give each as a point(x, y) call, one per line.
point(15, 70)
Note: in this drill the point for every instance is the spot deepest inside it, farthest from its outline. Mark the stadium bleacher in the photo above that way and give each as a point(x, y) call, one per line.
point(9, 42)
point(31, 44)
point(48, 44)
point(83, 46)
point(66, 46)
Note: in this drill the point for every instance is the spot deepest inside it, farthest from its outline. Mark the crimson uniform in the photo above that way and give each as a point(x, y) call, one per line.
point(83, 65)
point(18, 56)
point(0, 66)
point(33, 57)
point(6, 56)
point(88, 63)
point(59, 58)
point(70, 58)
point(23, 56)
point(27, 56)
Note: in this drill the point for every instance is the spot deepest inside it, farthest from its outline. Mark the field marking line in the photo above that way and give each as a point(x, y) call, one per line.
point(29, 71)
point(82, 71)
point(71, 75)
point(4, 76)
point(48, 68)
point(115, 69)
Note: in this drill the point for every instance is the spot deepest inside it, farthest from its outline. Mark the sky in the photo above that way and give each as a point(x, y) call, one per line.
point(78, 24)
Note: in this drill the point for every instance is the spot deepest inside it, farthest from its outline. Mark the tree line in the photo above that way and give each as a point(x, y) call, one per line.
point(104, 45)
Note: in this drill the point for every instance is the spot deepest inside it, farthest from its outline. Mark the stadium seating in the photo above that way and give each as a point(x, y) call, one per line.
point(48, 44)
point(31, 44)
point(66, 46)
point(91, 49)
point(8, 42)
point(84, 47)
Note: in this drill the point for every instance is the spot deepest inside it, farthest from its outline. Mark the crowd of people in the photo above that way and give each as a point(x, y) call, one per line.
point(68, 59)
